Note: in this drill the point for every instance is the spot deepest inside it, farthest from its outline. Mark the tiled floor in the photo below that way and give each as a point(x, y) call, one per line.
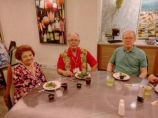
point(49, 73)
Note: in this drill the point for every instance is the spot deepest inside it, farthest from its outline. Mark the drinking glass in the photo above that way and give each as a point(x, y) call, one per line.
point(109, 80)
point(51, 97)
point(64, 85)
point(147, 90)
point(59, 93)
point(88, 81)
point(79, 85)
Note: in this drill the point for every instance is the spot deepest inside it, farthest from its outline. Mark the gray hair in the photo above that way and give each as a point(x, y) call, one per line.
point(129, 31)
point(73, 33)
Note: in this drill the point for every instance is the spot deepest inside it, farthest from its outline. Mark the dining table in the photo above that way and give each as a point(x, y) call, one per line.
point(97, 100)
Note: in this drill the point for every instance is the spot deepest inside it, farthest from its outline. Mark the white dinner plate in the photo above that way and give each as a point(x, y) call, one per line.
point(117, 76)
point(46, 86)
point(156, 88)
point(84, 77)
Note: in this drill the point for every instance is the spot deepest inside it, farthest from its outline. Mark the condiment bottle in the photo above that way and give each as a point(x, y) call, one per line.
point(121, 108)
point(140, 97)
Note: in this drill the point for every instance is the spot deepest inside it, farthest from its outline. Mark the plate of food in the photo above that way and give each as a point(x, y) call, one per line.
point(82, 75)
point(51, 85)
point(121, 76)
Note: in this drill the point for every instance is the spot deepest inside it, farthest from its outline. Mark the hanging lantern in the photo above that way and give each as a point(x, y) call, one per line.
point(58, 2)
point(55, 8)
point(61, 2)
point(46, 20)
point(51, 16)
point(49, 5)
point(55, 5)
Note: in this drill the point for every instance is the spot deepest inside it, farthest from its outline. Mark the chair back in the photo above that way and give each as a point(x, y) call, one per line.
point(12, 45)
point(12, 49)
point(147, 60)
point(9, 87)
point(13, 60)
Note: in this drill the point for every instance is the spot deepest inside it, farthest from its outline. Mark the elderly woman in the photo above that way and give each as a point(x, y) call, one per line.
point(27, 74)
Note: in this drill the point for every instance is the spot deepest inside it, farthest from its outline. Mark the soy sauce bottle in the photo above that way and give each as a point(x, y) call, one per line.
point(140, 97)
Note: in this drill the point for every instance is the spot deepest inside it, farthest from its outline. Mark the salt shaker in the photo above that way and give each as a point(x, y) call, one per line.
point(121, 108)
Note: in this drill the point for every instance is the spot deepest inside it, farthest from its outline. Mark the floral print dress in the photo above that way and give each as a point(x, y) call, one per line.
point(24, 81)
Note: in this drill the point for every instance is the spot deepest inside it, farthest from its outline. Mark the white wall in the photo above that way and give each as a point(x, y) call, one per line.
point(18, 20)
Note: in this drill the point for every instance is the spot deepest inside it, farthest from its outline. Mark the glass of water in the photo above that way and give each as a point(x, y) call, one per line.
point(109, 80)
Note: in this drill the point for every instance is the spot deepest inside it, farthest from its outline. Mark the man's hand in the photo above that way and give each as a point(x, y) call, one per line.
point(67, 73)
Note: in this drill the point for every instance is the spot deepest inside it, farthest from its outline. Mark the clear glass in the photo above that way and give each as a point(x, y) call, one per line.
point(147, 90)
point(109, 80)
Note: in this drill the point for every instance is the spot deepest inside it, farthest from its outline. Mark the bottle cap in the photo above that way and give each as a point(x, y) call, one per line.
point(122, 101)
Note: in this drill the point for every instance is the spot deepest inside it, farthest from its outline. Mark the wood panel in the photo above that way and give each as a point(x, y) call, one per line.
point(104, 52)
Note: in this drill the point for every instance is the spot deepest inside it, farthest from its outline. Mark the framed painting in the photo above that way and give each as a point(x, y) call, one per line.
point(1, 40)
point(51, 21)
point(0, 37)
point(148, 20)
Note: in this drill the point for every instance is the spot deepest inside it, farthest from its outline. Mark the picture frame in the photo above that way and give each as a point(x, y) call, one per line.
point(51, 21)
point(148, 20)
point(1, 36)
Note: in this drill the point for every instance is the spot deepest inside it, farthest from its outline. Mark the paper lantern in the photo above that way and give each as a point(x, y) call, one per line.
point(58, 2)
point(51, 16)
point(49, 5)
point(54, 9)
point(46, 20)
point(54, 5)
point(61, 1)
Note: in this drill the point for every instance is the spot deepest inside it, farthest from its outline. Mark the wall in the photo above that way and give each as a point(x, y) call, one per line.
point(125, 18)
point(18, 20)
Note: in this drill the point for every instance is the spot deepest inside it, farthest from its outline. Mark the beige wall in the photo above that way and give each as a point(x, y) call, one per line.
point(18, 20)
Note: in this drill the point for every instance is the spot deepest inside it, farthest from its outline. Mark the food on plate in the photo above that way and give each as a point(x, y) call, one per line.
point(82, 74)
point(50, 85)
point(122, 75)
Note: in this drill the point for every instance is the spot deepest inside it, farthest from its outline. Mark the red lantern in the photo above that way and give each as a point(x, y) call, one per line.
point(51, 16)
point(46, 20)
point(49, 5)
point(58, 2)
point(61, 1)
point(55, 7)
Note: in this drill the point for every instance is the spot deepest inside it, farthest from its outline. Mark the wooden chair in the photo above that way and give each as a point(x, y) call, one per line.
point(8, 97)
point(12, 45)
point(12, 49)
point(13, 60)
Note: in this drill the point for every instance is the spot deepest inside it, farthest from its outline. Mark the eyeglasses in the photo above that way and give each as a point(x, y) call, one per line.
point(75, 40)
